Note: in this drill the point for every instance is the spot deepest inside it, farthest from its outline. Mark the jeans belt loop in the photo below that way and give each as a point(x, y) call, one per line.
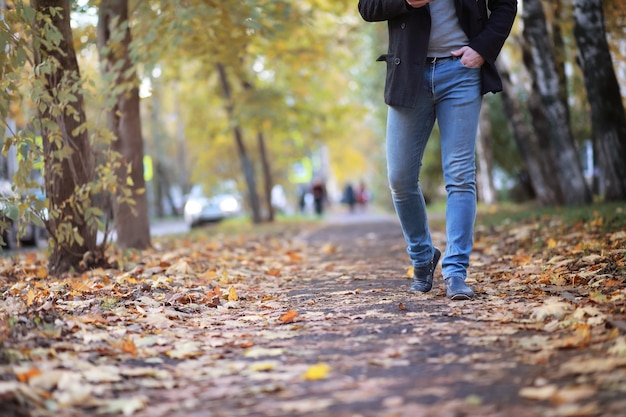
point(434, 59)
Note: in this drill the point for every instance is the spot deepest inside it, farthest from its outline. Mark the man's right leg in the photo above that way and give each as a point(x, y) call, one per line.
point(408, 130)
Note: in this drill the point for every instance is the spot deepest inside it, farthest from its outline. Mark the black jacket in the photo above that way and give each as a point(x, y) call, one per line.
point(409, 31)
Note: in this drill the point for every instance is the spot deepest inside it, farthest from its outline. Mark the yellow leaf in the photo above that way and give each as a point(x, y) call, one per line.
point(409, 273)
point(552, 243)
point(224, 280)
point(232, 294)
point(30, 297)
point(264, 366)
point(315, 372)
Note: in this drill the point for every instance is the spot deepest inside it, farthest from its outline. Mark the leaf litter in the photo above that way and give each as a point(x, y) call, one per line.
point(286, 323)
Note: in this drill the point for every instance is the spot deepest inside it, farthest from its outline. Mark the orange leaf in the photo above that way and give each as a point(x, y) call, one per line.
point(217, 292)
point(294, 257)
point(274, 272)
point(127, 346)
point(288, 317)
point(26, 376)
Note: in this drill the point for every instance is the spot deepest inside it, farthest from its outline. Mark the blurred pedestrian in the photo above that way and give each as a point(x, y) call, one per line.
point(362, 195)
point(440, 61)
point(318, 189)
point(349, 197)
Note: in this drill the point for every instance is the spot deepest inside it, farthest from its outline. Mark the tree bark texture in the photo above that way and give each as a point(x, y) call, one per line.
point(484, 158)
point(268, 181)
point(76, 169)
point(246, 163)
point(603, 94)
point(545, 81)
point(124, 120)
point(560, 53)
point(544, 183)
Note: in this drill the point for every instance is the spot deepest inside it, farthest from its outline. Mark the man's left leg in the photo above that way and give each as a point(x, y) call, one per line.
point(457, 114)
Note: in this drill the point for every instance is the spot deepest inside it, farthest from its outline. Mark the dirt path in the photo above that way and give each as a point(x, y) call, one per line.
point(380, 351)
point(321, 325)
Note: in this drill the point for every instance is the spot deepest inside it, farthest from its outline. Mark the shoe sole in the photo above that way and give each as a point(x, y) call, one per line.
point(418, 291)
point(460, 297)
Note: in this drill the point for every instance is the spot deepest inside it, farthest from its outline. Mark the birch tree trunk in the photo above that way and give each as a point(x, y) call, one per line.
point(124, 120)
point(544, 184)
point(484, 159)
point(546, 86)
point(603, 94)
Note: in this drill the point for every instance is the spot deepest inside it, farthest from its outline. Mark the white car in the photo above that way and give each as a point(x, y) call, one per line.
point(200, 209)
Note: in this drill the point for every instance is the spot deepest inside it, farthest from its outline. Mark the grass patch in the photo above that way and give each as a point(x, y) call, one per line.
point(609, 217)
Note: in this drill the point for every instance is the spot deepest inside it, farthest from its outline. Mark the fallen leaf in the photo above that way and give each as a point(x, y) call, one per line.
point(288, 317)
point(619, 348)
point(315, 372)
point(553, 307)
point(30, 297)
point(232, 294)
point(126, 406)
point(28, 374)
point(538, 393)
point(329, 248)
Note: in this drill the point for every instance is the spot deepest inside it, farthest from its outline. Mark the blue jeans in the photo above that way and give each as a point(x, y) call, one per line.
point(451, 95)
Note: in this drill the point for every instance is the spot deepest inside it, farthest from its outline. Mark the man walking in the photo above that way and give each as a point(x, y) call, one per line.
point(440, 62)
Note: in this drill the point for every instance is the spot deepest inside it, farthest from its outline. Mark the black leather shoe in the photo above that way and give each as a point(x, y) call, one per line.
point(457, 289)
point(423, 276)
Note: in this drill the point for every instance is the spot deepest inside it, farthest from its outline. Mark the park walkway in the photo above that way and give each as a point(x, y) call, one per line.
point(315, 321)
point(357, 344)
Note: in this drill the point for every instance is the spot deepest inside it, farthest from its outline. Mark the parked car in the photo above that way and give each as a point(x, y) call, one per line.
point(33, 234)
point(200, 209)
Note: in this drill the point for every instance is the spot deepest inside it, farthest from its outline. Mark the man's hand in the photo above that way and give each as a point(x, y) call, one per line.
point(469, 57)
point(418, 3)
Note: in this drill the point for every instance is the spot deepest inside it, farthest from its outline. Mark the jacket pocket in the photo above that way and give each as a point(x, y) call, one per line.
point(382, 58)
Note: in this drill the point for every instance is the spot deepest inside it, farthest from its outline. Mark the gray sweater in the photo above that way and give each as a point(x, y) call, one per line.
point(446, 33)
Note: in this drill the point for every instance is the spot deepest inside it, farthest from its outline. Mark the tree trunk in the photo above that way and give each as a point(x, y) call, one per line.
point(246, 164)
point(64, 176)
point(603, 93)
point(124, 120)
point(484, 152)
point(544, 184)
point(546, 87)
point(268, 181)
point(560, 53)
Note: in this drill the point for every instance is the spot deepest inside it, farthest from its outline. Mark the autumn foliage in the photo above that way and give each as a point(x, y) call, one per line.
point(303, 319)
